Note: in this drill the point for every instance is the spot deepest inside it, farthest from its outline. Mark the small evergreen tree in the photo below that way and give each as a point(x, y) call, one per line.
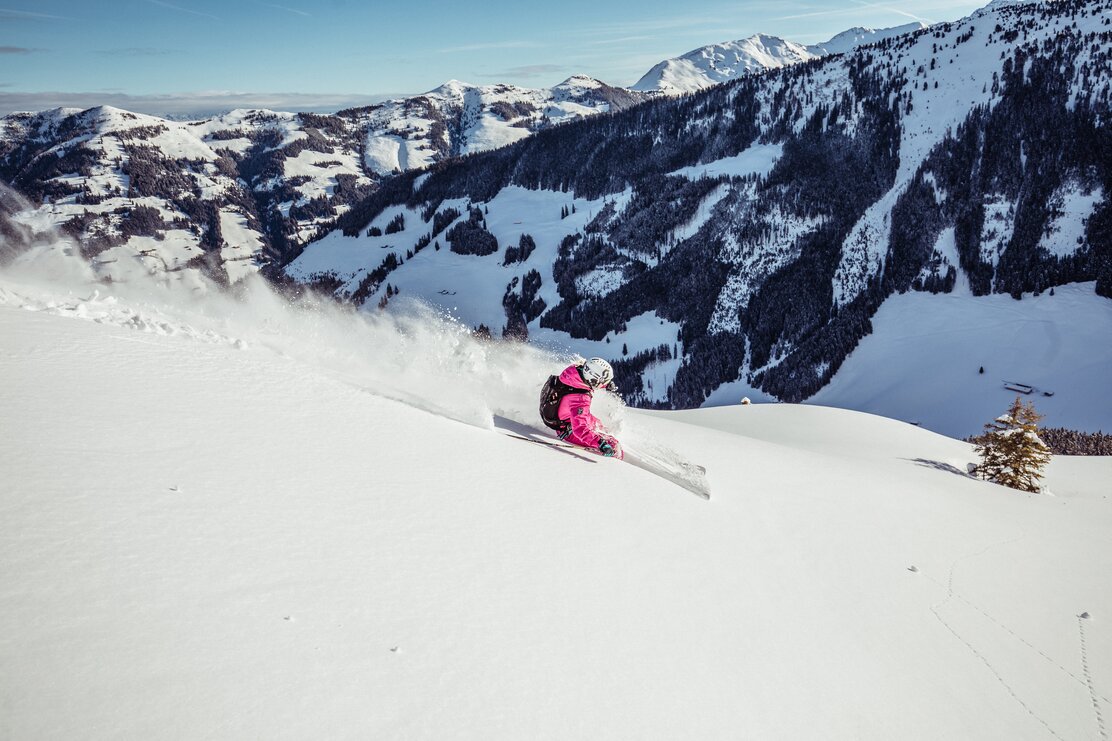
point(1011, 451)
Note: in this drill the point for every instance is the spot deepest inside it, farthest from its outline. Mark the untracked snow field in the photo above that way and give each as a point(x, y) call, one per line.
point(220, 522)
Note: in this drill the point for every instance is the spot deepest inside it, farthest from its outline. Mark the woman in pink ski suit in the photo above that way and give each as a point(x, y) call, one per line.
point(566, 406)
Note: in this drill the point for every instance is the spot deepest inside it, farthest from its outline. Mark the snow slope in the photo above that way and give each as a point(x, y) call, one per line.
point(470, 288)
point(220, 522)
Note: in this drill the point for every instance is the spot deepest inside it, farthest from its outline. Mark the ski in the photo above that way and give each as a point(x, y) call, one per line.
point(560, 444)
point(688, 476)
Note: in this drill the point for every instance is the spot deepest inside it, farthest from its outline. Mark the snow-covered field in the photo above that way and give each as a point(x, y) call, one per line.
point(219, 521)
point(922, 361)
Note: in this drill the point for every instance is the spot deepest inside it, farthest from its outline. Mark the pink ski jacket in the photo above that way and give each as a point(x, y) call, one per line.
point(576, 409)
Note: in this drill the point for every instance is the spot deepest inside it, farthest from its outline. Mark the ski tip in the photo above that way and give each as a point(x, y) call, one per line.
point(695, 488)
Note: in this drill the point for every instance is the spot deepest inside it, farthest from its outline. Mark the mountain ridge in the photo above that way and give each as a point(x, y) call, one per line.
point(757, 225)
point(718, 63)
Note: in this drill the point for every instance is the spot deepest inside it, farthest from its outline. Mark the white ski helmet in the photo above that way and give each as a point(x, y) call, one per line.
point(596, 372)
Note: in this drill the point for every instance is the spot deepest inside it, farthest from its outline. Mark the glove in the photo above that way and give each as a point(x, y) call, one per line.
point(606, 447)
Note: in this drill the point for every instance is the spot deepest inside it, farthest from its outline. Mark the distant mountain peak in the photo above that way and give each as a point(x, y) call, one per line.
point(581, 81)
point(859, 36)
point(718, 63)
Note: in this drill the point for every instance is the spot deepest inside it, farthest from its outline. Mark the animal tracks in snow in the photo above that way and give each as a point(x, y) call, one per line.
point(953, 596)
point(1093, 696)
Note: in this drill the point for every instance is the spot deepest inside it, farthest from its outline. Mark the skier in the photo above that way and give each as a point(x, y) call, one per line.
point(566, 406)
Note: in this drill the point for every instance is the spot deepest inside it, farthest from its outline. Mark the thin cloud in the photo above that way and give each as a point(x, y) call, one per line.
point(491, 45)
point(162, 4)
point(189, 104)
point(528, 71)
point(136, 51)
point(17, 50)
point(862, 8)
point(897, 11)
point(25, 15)
point(290, 10)
point(818, 13)
point(621, 40)
point(655, 24)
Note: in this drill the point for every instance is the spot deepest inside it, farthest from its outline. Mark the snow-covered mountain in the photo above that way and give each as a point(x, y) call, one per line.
point(237, 192)
point(742, 239)
point(717, 63)
point(852, 38)
point(228, 194)
point(247, 189)
point(240, 518)
point(457, 119)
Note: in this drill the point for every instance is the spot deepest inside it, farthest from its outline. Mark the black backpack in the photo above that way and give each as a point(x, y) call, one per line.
point(552, 393)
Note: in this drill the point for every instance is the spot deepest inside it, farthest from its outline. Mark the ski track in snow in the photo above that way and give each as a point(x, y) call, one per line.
point(416, 357)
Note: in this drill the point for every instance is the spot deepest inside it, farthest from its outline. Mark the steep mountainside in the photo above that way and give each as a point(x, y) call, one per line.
point(751, 231)
point(227, 195)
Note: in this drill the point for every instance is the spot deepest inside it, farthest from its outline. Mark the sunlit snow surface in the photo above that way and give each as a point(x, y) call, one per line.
point(922, 361)
point(221, 521)
point(758, 159)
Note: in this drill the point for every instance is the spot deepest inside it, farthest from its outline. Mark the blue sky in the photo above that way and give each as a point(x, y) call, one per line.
point(323, 54)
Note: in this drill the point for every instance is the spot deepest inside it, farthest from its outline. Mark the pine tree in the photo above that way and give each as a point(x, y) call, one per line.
point(1011, 451)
